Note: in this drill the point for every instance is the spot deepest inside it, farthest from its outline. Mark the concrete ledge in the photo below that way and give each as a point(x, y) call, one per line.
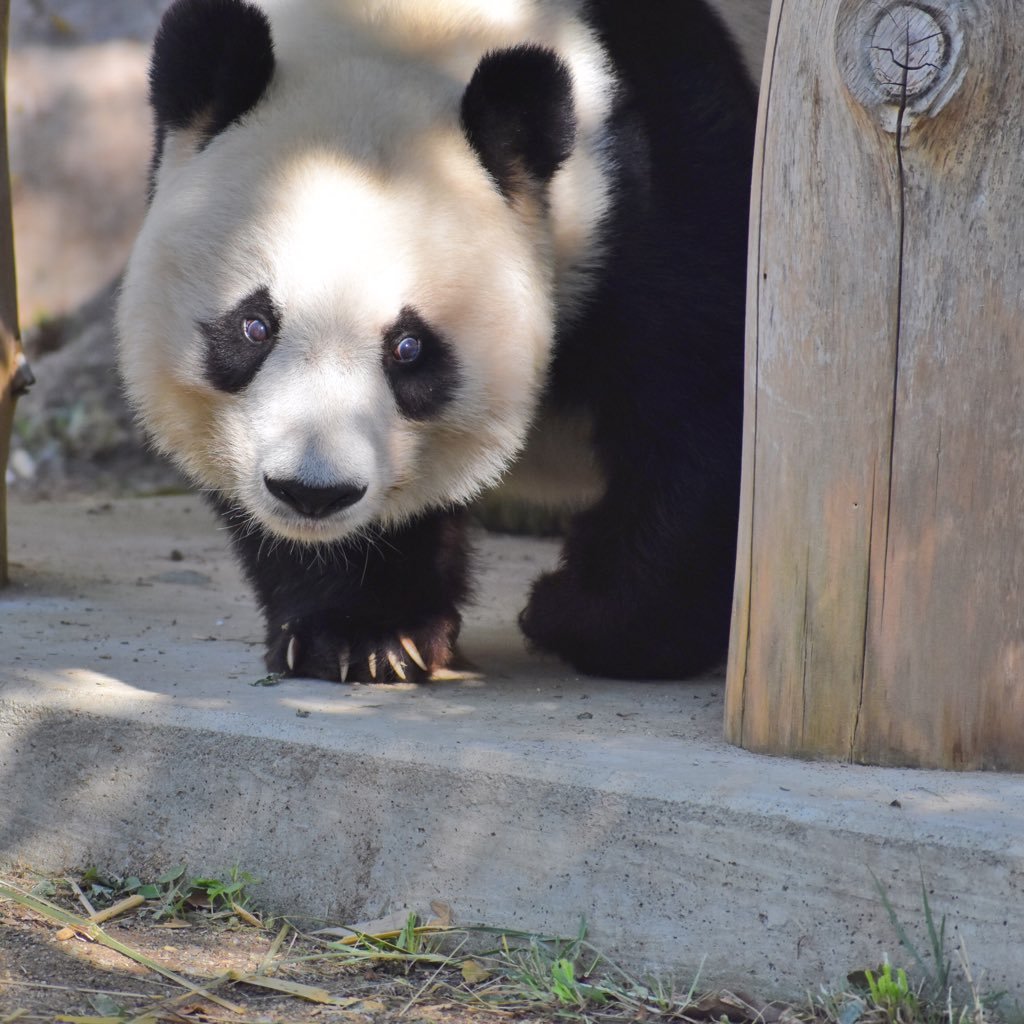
point(131, 737)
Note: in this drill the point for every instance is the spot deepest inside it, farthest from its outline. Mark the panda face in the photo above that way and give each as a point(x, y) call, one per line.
point(334, 345)
point(340, 309)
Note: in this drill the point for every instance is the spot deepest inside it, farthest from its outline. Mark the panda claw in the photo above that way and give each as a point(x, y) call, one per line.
point(396, 665)
point(413, 651)
point(371, 663)
point(292, 654)
point(344, 656)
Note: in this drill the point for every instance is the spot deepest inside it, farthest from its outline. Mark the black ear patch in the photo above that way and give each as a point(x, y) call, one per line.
point(517, 113)
point(212, 61)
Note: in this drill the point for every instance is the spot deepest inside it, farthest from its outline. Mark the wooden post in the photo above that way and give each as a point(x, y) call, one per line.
point(15, 375)
point(879, 609)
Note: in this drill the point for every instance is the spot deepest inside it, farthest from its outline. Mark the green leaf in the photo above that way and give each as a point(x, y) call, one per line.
point(106, 1006)
point(563, 978)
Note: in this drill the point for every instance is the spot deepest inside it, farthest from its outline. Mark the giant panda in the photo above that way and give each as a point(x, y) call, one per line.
point(390, 244)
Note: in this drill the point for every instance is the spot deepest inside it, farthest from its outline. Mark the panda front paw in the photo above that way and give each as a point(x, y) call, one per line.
point(609, 629)
point(315, 647)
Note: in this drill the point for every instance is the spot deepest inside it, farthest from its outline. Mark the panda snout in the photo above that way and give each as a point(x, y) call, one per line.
point(316, 502)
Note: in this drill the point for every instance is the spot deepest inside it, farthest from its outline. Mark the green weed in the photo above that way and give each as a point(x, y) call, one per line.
point(887, 996)
point(173, 894)
point(937, 976)
point(518, 973)
point(890, 991)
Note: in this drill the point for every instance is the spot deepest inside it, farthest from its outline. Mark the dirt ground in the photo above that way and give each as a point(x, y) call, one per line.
point(47, 974)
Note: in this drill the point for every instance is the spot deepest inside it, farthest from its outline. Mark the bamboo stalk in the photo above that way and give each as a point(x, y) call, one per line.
point(15, 376)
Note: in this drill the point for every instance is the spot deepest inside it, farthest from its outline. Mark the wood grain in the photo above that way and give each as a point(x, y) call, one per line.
point(878, 613)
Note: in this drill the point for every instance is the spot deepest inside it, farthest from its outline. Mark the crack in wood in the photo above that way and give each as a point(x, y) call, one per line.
point(854, 732)
point(807, 645)
point(901, 190)
point(901, 195)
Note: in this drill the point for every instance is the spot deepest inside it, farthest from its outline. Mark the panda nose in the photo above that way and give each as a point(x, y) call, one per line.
point(315, 502)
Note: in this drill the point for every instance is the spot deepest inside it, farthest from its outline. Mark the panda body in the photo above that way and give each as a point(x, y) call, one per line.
point(388, 244)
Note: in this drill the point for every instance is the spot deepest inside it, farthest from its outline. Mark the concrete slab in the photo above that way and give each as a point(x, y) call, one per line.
point(132, 737)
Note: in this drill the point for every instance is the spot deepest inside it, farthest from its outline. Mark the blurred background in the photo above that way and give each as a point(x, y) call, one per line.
point(79, 140)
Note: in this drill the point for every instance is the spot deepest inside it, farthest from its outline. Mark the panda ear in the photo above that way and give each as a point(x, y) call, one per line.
point(212, 61)
point(518, 115)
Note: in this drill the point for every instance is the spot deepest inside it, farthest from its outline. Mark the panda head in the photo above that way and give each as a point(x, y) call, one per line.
point(339, 310)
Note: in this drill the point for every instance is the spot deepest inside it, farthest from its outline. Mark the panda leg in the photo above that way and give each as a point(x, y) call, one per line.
point(644, 588)
point(384, 609)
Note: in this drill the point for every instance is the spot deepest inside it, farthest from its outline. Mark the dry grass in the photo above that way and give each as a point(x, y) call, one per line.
point(61, 959)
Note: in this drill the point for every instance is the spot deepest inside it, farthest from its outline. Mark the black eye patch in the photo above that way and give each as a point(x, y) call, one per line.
point(420, 366)
point(238, 341)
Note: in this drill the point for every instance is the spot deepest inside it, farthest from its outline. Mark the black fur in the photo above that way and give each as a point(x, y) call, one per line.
point(232, 360)
point(212, 62)
point(517, 113)
point(424, 387)
point(645, 584)
point(360, 596)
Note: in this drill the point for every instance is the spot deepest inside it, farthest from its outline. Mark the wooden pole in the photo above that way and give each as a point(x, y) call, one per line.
point(879, 609)
point(15, 375)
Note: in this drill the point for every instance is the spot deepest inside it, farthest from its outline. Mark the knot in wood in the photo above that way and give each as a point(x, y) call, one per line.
point(908, 50)
point(902, 60)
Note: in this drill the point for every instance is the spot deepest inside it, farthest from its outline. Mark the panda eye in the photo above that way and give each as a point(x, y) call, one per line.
point(407, 350)
point(256, 330)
